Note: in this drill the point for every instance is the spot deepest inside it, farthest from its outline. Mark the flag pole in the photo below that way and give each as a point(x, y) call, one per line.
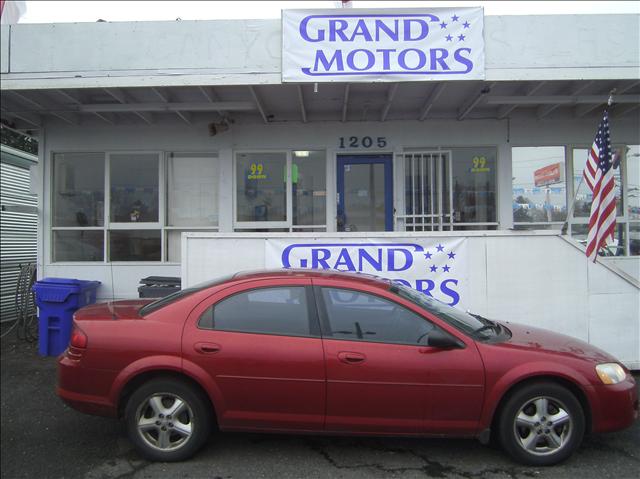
point(565, 226)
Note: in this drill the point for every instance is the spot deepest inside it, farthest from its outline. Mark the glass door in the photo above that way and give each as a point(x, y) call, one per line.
point(365, 199)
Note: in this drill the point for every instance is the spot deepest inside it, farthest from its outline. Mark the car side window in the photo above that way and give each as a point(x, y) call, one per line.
point(279, 310)
point(359, 316)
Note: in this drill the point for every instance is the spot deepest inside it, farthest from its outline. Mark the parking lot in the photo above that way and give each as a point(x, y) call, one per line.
point(43, 438)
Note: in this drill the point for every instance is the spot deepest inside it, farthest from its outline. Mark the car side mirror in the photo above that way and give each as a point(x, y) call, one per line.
point(443, 340)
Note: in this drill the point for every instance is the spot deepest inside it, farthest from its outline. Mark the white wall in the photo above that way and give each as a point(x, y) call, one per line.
point(400, 134)
point(227, 52)
point(529, 278)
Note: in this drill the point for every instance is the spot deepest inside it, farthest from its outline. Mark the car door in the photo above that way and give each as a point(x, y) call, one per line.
point(260, 344)
point(381, 375)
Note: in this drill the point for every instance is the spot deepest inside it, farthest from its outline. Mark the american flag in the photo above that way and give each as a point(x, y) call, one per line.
point(598, 174)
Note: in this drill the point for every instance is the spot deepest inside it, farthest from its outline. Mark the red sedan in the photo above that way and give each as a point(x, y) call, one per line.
point(304, 351)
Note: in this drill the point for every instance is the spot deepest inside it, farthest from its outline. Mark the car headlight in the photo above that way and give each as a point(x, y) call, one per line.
point(610, 373)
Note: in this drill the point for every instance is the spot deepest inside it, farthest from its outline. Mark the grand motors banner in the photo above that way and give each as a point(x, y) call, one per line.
point(436, 267)
point(364, 45)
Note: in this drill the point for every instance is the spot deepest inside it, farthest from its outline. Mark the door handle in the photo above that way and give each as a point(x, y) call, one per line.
point(349, 357)
point(207, 348)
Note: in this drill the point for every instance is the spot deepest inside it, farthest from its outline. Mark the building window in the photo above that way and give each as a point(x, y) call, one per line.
point(450, 189)
point(78, 190)
point(280, 191)
point(261, 182)
point(626, 241)
point(134, 188)
point(192, 192)
point(192, 197)
point(539, 187)
point(309, 190)
point(78, 245)
point(113, 206)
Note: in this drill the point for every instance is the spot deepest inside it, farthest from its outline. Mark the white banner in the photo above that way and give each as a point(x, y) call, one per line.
point(364, 45)
point(437, 267)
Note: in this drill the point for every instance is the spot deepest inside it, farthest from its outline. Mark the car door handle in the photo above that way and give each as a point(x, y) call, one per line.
point(351, 358)
point(207, 348)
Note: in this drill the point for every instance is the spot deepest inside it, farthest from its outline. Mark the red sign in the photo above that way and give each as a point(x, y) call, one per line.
point(548, 175)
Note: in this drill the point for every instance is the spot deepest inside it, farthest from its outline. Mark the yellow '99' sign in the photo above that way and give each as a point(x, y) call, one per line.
point(479, 165)
point(256, 172)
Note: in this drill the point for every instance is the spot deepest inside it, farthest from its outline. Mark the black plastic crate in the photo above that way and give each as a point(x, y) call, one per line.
point(158, 286)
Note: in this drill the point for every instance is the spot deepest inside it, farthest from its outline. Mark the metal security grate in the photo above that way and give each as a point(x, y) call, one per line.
point(428, 199)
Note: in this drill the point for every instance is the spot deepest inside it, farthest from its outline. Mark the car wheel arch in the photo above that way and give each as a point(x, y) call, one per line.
point(145, 376)
point(560, 380)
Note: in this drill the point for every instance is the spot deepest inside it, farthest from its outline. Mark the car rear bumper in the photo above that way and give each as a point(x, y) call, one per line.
point(616, 406)
point(84, 389)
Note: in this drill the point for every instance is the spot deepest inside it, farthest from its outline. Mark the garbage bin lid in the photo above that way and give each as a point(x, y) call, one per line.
point(79, 283)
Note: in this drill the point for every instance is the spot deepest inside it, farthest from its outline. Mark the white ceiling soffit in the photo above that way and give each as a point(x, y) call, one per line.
point(324, 102)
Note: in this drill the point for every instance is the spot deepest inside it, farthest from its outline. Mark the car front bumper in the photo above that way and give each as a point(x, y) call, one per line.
point(615, 406)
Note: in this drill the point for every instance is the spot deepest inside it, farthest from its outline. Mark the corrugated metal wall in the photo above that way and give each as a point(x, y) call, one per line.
point(18, 238)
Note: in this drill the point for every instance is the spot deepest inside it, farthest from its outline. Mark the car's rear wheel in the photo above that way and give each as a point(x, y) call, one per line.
point(541, 424)
point(168, 420)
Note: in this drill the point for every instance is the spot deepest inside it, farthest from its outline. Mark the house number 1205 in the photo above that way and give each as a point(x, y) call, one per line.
point(362, 142)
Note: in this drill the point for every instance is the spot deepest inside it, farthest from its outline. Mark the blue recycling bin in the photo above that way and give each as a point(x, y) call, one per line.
point(57, 299)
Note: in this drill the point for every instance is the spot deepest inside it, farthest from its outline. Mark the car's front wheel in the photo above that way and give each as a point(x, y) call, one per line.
point(541, 424)
point(168, 420)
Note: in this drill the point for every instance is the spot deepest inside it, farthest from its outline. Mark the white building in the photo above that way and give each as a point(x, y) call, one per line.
point(149, 130)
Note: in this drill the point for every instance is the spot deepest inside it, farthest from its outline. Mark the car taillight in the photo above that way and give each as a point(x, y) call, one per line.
point(78, 342)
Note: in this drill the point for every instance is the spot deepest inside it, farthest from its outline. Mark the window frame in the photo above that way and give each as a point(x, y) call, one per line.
point(568, 177)
point(108, 226)
point(622, 220)
point(240, 226)
point(400, 221)
point(315, 329)
point(325, 324)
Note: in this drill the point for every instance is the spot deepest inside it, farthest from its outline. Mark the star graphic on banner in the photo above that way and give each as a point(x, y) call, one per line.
point(433, 268)
point(445, 268)
point(466, 24)
point(451, 255)
point(443, 25)
point(440, 247)
point(461, 38)
point(449, 38)
point(455, 18)
point(427, 255)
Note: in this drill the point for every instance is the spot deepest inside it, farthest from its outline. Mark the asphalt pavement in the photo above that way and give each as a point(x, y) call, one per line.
point(43, 438)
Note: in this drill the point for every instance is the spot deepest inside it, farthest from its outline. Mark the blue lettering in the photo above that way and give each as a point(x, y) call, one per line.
point(386, 64)
point(424, 29)
point(361, 29)
point(437, 56)
point(363, 255)
point(321, 58)
point(422, 59)
point(455, 297)
point(337, 27)
point(392, 34)
point(370, 59)
point(425, 286)
point(303, 31)
point(317, 260)
point(391, 264)
point(344, 260)
point(465, 61)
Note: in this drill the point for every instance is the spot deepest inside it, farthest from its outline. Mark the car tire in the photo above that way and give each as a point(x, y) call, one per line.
point(168, 420)
point(541, 424)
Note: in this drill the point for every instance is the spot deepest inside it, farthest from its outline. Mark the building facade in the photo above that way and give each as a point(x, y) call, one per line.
point(155, 134)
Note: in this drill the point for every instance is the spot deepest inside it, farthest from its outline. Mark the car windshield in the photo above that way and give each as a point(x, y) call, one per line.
point(465, 322)
point(162, 302)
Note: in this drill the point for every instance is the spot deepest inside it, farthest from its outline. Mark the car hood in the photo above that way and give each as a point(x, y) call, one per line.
point(543, 340)
point(126, 309)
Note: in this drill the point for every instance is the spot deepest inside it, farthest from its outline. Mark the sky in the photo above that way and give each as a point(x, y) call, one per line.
point(90, 11)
